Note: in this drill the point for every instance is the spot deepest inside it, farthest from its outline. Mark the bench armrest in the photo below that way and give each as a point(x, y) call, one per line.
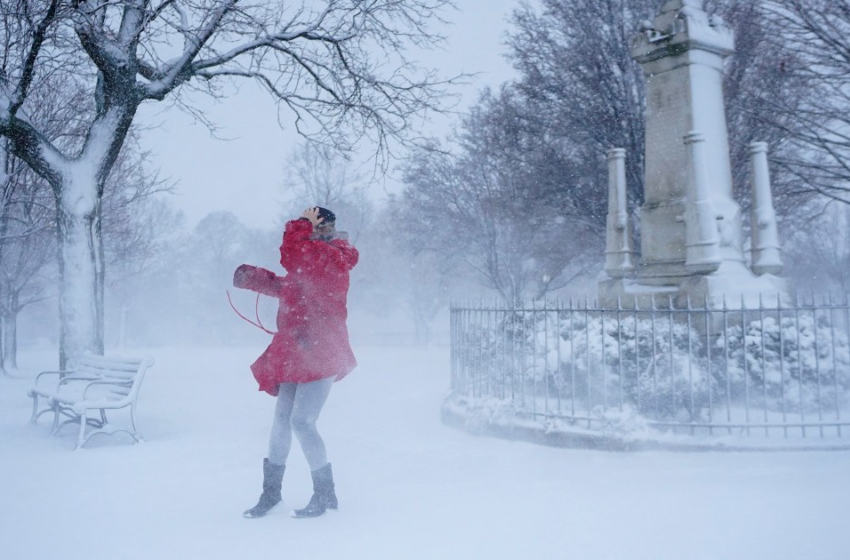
point(115, 383)
point(60, 373)
point(69, 378)
point(66, 382)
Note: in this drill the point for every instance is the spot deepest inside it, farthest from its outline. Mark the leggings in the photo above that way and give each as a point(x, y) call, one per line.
point(297, 410)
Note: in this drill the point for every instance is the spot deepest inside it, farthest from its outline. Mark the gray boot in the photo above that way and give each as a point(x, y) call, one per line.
point(324, 497)
point(272, 482)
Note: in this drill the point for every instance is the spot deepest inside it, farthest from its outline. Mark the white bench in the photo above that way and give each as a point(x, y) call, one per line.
point(96, 384)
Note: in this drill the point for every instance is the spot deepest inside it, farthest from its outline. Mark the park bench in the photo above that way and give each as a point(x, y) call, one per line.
point(84, 394)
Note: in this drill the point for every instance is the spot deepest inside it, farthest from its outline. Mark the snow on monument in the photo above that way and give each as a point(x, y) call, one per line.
point(691, 234)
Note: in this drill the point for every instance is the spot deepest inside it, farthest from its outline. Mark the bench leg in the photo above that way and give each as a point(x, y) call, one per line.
point(55, 427)
point(34, 416)
point(81, 439)
point(136, 433)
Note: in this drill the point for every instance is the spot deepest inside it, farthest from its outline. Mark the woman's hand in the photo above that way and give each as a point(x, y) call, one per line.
point(312, 214)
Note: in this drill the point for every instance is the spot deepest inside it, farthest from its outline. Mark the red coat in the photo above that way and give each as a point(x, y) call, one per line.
point(312, 338)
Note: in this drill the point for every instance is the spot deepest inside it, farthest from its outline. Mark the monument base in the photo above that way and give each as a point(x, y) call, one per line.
point(732, 285)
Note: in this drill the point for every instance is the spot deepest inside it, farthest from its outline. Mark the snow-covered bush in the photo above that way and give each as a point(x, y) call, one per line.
point(790, 364)
point(574, 363)
point(584, 360)
point(655, 367)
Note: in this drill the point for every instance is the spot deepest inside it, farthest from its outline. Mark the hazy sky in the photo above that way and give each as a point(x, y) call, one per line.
point(243, 173)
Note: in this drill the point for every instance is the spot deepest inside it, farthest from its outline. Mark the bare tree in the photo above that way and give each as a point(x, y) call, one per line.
point(751, 106)
point(820, 251)
point(317, 174)
point(397, 274)
point(28, 234)
point(576, 69)
point(137, 224)
point(24, 283)
point(27, 245)
point(28, 215)
point(203, 273)
point(339, 66)
point(815, 46)
point(494, 200)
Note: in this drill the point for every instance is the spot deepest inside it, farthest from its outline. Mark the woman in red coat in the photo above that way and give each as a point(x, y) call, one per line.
point(309, 352)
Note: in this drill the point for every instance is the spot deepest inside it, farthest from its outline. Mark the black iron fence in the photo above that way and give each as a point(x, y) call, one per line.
point(779, 368)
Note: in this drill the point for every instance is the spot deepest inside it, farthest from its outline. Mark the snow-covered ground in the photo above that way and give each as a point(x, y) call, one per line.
point(409, 487)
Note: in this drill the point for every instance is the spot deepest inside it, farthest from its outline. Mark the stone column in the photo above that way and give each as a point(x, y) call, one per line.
point(702, 241)
point(618, 242)
point(766, 257)
point(682, 52)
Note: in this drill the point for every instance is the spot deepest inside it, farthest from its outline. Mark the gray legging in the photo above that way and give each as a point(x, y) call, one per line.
point(297, 409)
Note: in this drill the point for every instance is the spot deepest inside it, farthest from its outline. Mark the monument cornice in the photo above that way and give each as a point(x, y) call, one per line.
point(682, 26)
point(679, 48)
point(687, 57)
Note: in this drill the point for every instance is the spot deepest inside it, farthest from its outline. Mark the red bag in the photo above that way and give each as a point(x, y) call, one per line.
point(256, 279)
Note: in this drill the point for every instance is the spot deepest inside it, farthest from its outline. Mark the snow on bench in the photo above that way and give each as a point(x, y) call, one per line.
point(98, 383)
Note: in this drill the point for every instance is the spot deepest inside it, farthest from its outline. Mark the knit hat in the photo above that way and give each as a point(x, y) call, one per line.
point(327, 216)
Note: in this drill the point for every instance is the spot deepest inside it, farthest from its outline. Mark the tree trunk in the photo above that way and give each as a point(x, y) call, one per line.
point(10, 340)
point(2, 353)
point(122, 326)
point(81, 284)
point(6, 191)
point(421, 332)
point(421, 324)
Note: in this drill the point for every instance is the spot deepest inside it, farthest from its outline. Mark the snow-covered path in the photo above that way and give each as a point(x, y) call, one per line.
point(409, 488)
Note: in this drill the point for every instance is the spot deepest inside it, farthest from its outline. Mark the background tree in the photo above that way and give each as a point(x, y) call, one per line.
point(201, 273)
point(321, 175)
point(338, 66)
point(137, 226)
point(396, 274)
point(752, 113)
point(27, 242)
point(577, 73)
point(493, 200)
point(28, 236)
point(814, 46)
point(819, 252)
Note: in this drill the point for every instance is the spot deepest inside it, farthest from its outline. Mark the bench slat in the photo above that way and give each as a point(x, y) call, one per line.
point(113, 374)
point(123, 366)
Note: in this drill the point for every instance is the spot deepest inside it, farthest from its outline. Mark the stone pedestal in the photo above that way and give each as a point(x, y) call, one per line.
point(732, 283)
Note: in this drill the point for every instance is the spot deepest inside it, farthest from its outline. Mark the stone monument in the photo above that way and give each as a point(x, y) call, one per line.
point(691, 243)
